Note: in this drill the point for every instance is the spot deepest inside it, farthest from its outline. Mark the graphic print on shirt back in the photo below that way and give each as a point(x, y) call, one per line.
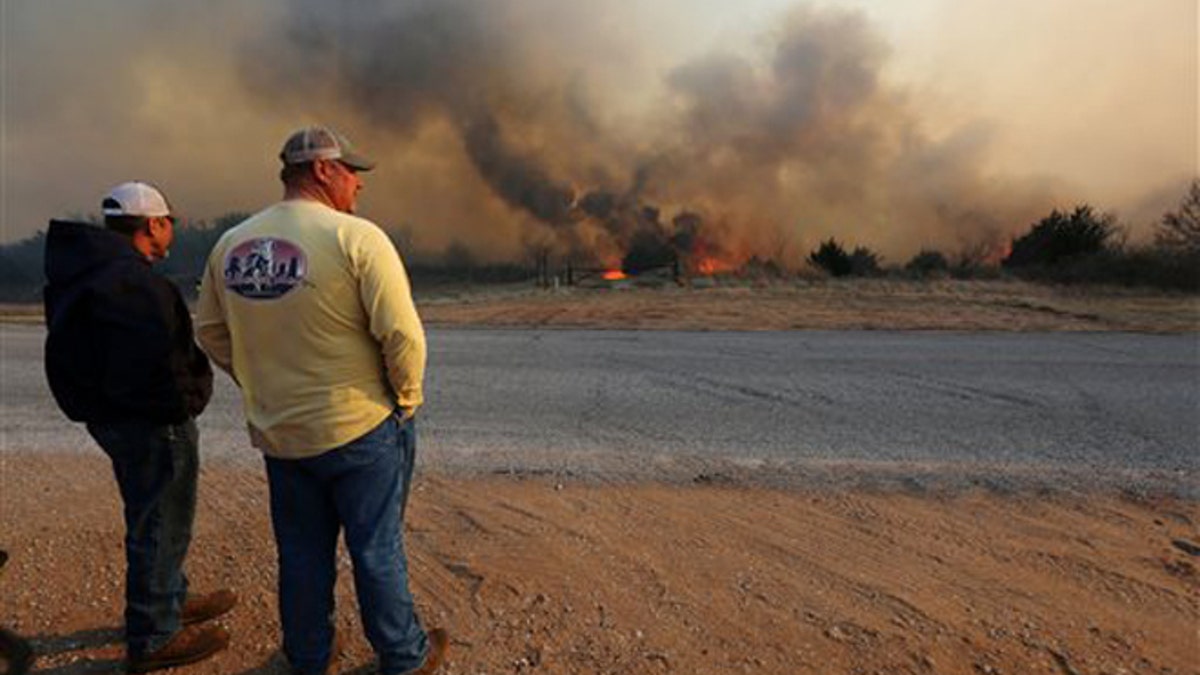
point(265, 268)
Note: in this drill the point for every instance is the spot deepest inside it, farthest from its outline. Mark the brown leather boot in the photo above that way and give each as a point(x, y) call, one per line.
point(189, 645)
point(199, 608)
point(15, 653)
point(439, 643)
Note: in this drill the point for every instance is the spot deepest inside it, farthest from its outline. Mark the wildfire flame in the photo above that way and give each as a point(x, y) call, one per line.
point(613, 275)
point(708, 266)
point(998, 253)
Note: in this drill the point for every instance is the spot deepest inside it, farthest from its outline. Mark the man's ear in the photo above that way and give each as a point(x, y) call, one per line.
point(323, 171)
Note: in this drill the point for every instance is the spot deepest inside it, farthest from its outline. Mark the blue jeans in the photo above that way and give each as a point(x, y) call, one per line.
point(363, 487)
point(155, 466)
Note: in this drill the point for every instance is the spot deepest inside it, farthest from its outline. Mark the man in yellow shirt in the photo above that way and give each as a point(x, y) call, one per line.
point(308, 308)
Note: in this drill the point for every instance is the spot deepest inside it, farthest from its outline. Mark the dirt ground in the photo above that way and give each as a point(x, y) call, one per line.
point(544, 575)
point(549, 574)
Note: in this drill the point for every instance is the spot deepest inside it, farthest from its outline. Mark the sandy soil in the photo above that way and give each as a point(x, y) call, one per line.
point(544, 575)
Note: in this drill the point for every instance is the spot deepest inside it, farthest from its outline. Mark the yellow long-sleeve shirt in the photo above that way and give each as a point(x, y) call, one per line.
point(311, 312)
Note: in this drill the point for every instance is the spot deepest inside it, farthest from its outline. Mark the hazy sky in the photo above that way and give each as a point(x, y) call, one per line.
point(1101, 94)
point(1016, 105)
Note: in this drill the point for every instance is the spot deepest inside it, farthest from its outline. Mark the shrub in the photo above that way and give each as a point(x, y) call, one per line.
point(1154, 267)
point(1084, 248)
point(1060, 237)
point(21, 269)
point(927, 263)
point(1179, 230)
point(864, 262)
point(831, 257)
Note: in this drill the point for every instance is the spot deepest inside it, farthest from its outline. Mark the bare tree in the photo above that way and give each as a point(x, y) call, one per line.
point(1180, 229)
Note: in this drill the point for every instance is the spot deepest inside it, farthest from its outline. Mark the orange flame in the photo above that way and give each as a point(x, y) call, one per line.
point(709, 266)
point(613, 275)
point(998, 253)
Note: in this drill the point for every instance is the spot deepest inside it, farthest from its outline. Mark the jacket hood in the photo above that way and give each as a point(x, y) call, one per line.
point(74, 248)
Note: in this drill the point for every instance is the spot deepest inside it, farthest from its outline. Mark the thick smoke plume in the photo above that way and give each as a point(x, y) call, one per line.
point(459, 65)
point(765, 159)
point(607, 131)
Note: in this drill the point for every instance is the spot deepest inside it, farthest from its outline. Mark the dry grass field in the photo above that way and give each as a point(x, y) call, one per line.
point(823, 305)
point(856, 304)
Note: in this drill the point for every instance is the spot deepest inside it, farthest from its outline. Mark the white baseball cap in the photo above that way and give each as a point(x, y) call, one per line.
point(135, 198)
point(318, 142)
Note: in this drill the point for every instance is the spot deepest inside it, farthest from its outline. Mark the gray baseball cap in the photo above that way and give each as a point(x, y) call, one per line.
point(319, 142)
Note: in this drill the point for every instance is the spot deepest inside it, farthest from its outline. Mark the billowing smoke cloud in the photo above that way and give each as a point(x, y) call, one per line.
point(518, 180)
point(514, 125)
point(461, 65)
point(815, 144)
point(770, 157)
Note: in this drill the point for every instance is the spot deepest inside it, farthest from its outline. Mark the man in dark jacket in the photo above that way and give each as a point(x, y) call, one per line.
point(120, 356)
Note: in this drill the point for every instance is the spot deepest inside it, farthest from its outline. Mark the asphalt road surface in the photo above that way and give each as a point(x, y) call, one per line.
point(627, 401)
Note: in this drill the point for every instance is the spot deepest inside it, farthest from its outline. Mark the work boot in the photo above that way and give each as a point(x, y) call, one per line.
point(189, 645)
point(439, 642)
point(16, 656)
point(199, 608)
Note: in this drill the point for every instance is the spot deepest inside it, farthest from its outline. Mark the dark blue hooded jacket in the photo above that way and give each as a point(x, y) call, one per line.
point(120, 344)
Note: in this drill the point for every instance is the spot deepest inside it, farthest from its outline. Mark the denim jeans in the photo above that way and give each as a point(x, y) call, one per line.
point(363, 487)
point(155, 466)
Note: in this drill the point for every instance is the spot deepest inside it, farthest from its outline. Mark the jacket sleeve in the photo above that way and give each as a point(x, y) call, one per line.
point(392, 316)
point(212, 331)
point(193, 374)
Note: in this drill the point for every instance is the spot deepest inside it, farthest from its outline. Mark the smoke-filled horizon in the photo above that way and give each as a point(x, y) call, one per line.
point(526, 124)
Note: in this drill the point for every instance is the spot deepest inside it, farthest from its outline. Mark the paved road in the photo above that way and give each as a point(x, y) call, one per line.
point(563, 399)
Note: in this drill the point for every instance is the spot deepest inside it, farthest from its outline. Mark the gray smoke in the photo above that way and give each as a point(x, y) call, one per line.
point(402, 64)
point(770, 158)
point(817, 141)
point(514, 125)
point(518, 180)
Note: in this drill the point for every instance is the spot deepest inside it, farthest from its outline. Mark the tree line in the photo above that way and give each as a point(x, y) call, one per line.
point(22, 262)
point(1079, 246)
